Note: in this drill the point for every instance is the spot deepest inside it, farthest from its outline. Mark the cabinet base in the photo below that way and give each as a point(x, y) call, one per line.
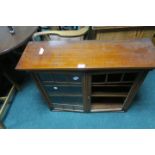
point(91, 111)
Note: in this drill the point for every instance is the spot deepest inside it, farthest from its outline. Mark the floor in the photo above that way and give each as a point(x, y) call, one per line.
point(29, 111)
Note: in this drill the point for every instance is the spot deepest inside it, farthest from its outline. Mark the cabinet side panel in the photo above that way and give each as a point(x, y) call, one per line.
point(137, 83)
point(42, 90)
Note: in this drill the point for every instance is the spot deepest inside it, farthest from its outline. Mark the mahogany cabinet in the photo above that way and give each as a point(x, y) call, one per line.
point(89, 76)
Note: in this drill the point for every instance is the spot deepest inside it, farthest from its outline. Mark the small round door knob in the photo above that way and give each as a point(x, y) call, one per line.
point(75, 78)
point(55, 88)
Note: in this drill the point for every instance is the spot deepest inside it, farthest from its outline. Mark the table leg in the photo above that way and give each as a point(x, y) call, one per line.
point(2, 126)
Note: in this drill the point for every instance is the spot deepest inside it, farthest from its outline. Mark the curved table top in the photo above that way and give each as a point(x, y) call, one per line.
point(10, 41)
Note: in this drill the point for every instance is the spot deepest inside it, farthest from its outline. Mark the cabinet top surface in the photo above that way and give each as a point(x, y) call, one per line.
point(90, 54)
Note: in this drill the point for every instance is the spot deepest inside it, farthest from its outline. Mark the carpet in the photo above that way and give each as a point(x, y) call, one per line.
point(29, 111)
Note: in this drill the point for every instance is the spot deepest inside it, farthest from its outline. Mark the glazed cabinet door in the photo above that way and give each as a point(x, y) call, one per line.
point(65, 89)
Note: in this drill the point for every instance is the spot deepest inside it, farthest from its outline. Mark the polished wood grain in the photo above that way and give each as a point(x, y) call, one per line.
point(62, 55)
point(9, 42)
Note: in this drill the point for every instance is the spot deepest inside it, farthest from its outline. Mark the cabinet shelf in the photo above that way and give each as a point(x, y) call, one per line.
point(109, 94)
point(115, 82)
point(106, 107)
point(109, 91)
point(112, 84)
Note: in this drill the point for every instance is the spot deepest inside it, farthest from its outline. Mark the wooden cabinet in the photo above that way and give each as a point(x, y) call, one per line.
point(89, 76)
